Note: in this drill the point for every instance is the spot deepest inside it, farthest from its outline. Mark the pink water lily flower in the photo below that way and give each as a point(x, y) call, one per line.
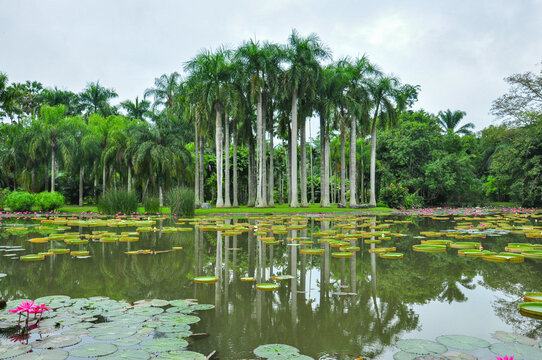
point(25, 306)
point(505, 358)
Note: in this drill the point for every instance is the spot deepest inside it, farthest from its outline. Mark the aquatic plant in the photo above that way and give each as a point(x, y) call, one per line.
point(118, 201)
point(181, 201)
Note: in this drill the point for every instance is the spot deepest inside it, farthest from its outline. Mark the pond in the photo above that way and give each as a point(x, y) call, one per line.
point(328, 307)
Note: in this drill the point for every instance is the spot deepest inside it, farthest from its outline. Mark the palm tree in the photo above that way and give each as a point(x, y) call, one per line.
point(9, 96)
point(302, 56)
point(213, 70)
point(137, 109)
point(95, 99)
point(449, 121)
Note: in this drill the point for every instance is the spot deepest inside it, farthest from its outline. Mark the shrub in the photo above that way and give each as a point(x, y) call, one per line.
point(3, 197)
point(152, 204)
point(20, 201)
point(47, 201)
point(398, 196)
point(181, 200)
point(118, 201)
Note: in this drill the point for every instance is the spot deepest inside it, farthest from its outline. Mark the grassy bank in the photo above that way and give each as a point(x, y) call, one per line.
point(278, 209)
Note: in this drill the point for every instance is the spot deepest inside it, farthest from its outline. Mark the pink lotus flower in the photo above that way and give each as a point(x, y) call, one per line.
point(505, 358)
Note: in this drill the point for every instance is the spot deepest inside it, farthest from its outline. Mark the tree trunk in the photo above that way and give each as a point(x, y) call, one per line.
point(196, 159)
point(103, 180)
point(33, 180)
point(53, 168)
point(46, 176)
point(271, 180)
point(219, 170)
point(323, 198)
point(372, 201)
point(264, 154)
point(327, 166)
point(310, 157)
point(202, 172)
point(352, 170)
point(289, 171)
point(81, 175)
point(160, 195)
point(129, 178)
point(235, 182)
point(303, 173)
point(259, 152)
point(227, 201)
point(343, 162)
point(293, 144)
point(251, 188)
point(362, 171)
point(95, 184)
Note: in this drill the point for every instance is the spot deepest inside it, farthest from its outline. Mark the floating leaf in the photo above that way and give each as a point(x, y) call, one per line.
point(93, 350)
point(269, 350)
point(55, 354)
point(421, 346)
point(176, 318)
point(112, 333)
point(533, 308)
point(129, 341)
point(510, 337)
point(15, 350)
point(135, 354)
point(290, 357)
point(148, 311)
point(200, 307)
point(156, 345)
point(533, 296)
point(206, 279)
point(181, 355)
point(403, 355)
point(56, 341)
point(518, 351)
point(462, 342)
point(458, 355)
point(267, 286)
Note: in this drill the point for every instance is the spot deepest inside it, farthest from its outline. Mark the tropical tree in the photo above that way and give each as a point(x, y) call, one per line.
point(136, 109)
point(300, 80)
point(95, 99)
point(449, 121)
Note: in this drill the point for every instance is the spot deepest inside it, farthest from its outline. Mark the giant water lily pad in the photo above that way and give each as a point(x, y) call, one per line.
point(157, 345)
point(55, 354)
point(91, 350)
point(518, 351)
point(269, 350)
point(129, 341)
point(510, 337)
point(176, 318)
point(173, 328)
point(112, 333)
point(206, 279)
point(15, 350)
point(56, 341)
point(458, 355)
point(533, 308)
point(134, 354)
point(267, 286)
point(421, 346)
point(462, 342)
point(179, 303)
point(147, 311)
point(533, 296)
point(201, 307)
point(181, 355)
point(403, 355)
point(290, 357)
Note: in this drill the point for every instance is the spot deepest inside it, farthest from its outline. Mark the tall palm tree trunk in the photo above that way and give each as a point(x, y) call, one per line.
point(324, 188)
point(310, 157)
point(227, 201)
point(352, 161)
point(293, 145)
point(343, 162)
point(289, 171)
point(271, 180)
point(303, 173)
point(372, 201)
point(202, 172)
point(235, 182)
point(53, 168)
point(219, 170)
point(33, 179)
point(81, 175)
point(129, 181)
point(327, 153)
point(251, 188)
point(196, 159)
point(103, 180)
point(260, 202)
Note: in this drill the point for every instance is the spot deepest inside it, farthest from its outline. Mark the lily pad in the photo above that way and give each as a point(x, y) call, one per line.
point(176, 318)
point(181, 355)
point(173, 328)
point(157, 345)
point(533, 308)
point(129, 341)
point(458, 355)
point(112, 333)
point(290, 357)
point(510, 337)
point(11, 351)
point(533, 296)
point(269, 350)
point(147, 311)
point(56, 341)
point(267, 287)
point(206, 279)
point(91, 350)
point(179, 303)
point(200, 307)
point(518, 351)
point(403, 355)
point(421, 346)
point(462, 342)
point(135, 354)
point(55, 354)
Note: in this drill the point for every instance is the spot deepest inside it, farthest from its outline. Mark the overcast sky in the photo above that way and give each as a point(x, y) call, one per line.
point(457, 51)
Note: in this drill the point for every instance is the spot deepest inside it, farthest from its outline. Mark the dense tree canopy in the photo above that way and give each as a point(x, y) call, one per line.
point(215, 127)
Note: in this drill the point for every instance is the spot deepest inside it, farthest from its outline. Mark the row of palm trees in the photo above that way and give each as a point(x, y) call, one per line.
point(281, 87)
point(250, 96)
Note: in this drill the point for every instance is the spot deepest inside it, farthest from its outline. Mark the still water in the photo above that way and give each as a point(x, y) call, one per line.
point(332, 309)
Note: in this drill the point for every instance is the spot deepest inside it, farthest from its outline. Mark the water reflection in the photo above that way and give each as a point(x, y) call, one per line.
point(358, 306)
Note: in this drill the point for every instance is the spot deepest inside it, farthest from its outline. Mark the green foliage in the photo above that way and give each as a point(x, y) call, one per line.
point(48, 201)
point(118, 201)
point(20, 201)
point(181, 201)
point(3, 197)
point(398, 196)
point(152, 204)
